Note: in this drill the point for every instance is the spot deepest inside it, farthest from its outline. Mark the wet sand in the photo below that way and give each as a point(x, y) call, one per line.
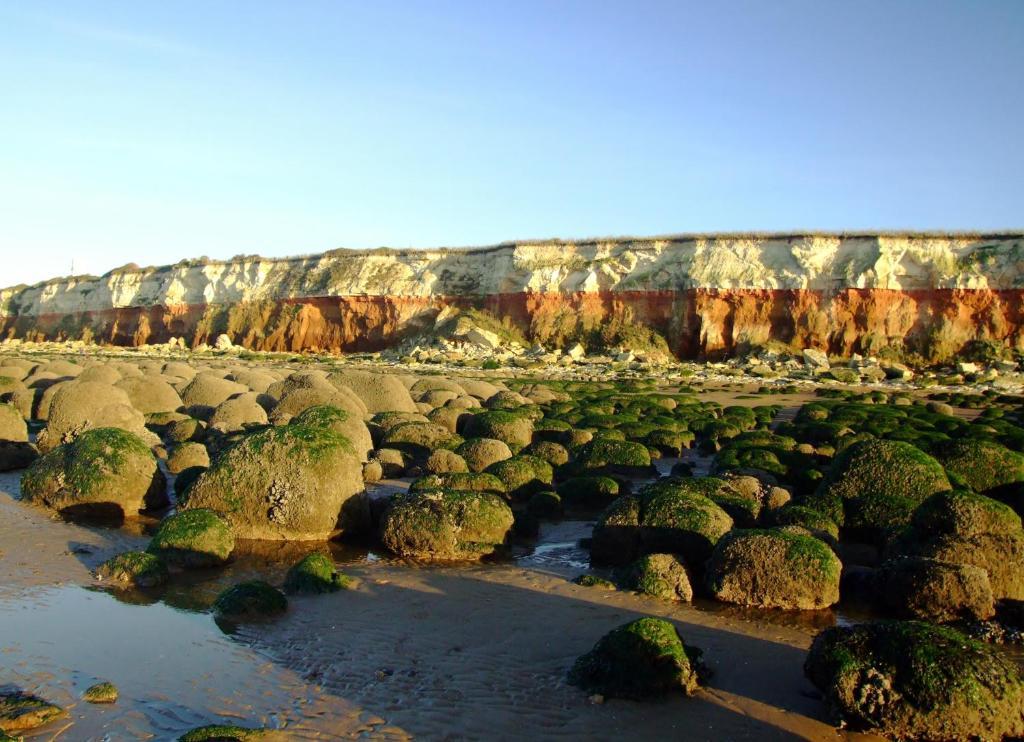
point(440, 652)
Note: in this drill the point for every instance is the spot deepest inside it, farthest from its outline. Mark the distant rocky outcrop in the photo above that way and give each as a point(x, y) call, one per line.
point(695, 296)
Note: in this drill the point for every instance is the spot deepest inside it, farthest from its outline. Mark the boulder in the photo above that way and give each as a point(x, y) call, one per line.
point(238, 413)
point(774, 569)
point(967, 528)
point(192, 539)
point(293, 482)
point(913, 680)
point(641, 659)
point(816, 359)
point(661, 576)
point(187, 455)
point(479, 453)
point(339, 421)
point(207, 390)
point(666, 516)
point(445, 524)
point(934, 590)
point(105, 471)
point(981, 464)
point(313, 575)
point(513, 429)
point(149, 394)
point(379, 392)
point(20, 711)
point(85, 405)
point(873, 486)
point(253, 599)
point(136, 568)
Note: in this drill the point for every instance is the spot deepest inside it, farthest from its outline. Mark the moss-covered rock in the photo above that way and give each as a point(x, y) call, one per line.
point(315, 574)
point(813, 520)
point(443, 461)
point(445, 524)
point(873, 486)
point(479, 453)
point(774, 569)
point(78, 406)
point(104, 692)
point(913, 680)
point(516, 430)
point(226, 733)
point(661, 576)
point(461, 481)
point(642, 659)
point(419, 439)
point(253, 599)
point(103, 471)
point(21, 711)
point(934, 590)
point(669, 516)
point(967, 528)
point(554, 453)
point(193, 538)
point(340, 421)
point(136, 568)
point(522, 475)
point(589, 492)
point(608, 455)
point(292, 482)
point(981, 464)
point(595, 581)
point(545, 505)
point(187, 455)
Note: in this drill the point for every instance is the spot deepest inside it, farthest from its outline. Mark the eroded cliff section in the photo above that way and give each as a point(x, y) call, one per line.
point(706, 295)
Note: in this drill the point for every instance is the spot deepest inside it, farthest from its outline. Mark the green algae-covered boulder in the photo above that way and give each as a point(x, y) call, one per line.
point(913, 680)
point(819, 524)
point(609, 455)
point(104, 471)
point(136, 568)
point(228, 733)
point(642, 659)
point(873, 486)
point(445, 524)
point(251, 599)
point(523, 475)
point(545, 504)
point(588, 580)
point(589, 492)
point(192, 539)
point(340, 421)
point(967, 528)
point(512, 428)
point(104, 692)
point(661, 576)
point(773, 569)
point(21, 711)
point(479, 453)
point(933, 590)
point(669, 516)
point(981, 464)
point(313, 575)
point(291, 482)
point(462, 481)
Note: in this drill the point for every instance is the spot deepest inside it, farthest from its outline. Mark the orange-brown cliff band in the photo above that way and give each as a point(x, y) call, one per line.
point(696, 322)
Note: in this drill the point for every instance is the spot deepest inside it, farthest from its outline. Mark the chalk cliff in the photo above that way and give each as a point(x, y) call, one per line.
point(707, 295)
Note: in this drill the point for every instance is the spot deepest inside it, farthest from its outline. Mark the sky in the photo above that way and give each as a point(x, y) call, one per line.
point(150, 132)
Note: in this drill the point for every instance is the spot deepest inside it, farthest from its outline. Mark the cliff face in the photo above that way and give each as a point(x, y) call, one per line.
point(706, 295)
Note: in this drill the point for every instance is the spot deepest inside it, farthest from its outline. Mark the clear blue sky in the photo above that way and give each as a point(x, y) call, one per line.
point(148, 132)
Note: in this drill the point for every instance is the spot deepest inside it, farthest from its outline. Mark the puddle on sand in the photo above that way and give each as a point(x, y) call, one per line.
point(175, 670)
